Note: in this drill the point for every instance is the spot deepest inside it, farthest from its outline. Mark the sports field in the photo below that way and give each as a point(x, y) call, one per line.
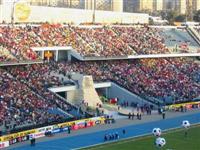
point(175, 141)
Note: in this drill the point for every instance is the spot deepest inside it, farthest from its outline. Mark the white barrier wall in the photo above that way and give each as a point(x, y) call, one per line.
point(67, 15)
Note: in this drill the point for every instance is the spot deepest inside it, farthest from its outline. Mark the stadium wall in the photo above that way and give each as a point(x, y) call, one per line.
point(67, 15)
point(125, 95)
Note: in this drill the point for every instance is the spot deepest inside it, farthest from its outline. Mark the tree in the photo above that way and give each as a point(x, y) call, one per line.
point(197, 16)
point(180, 18)
point(151, 22)
point(163, 14)
point(169, 16)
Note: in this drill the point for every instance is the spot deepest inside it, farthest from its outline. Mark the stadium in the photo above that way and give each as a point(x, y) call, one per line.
point(93, 74)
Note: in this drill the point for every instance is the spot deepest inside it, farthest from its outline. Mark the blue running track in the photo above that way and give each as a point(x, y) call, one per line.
point(97, 137)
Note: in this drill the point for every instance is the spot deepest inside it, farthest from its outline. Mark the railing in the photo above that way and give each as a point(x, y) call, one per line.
point(193, 34)
point(14, 63)
point(29, 127)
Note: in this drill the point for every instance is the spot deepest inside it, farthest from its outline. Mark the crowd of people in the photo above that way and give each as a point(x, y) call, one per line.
point(24, 90)
point(24, 95)
point(19, 40)
point(5, 55)
point(104, 41)
point(143, 40)
point(98, 41)
point(26, 101)
point(20, 105)
point(159, 78)
point(111, 136)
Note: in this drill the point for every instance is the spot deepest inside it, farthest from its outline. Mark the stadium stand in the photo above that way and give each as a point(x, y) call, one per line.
point(22, 106)
point(95, 41)
point(179, 40)
point(103, 41)
point(5, 55)
point(158, 78)
point(24, 96)
point(143, 40)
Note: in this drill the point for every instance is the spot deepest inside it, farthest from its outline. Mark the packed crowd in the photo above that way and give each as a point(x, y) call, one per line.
point(26, 101)
point(19, 105)
point(158, 78)
point(142, 40)
point(189, 68)
point(105, 41)
point(5, 55)
point(24, 95)
point(20, 40)
point(39, 79)
point(25, 98)
point(17, 40)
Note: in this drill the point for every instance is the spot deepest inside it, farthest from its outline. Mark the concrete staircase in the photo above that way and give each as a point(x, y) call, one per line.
point(85, 91)
point(194, 34)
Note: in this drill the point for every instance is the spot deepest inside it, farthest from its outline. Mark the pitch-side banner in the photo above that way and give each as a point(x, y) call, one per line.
point(4, 144)
point(187, 105)
point(40, 132)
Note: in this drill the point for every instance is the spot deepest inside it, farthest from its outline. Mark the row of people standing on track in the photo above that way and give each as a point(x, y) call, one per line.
point(132, 116)
point(111, 136)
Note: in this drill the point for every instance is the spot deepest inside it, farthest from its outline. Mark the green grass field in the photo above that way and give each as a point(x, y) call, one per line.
point(175, 141)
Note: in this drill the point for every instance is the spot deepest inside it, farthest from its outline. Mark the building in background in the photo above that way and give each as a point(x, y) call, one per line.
point(106, 5)
point(196, 4)
point(169, 5)
point(180, 6)
point(146, 5)
point(158, 5)
point(130, 5)
point(138, 5)
point(122, 5)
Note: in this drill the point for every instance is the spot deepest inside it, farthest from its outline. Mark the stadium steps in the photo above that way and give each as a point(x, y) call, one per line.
point(81, 38)
point(118, 34)
point(74, 111)
point(86, 92)
point(193, 33)
point(60, 112)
